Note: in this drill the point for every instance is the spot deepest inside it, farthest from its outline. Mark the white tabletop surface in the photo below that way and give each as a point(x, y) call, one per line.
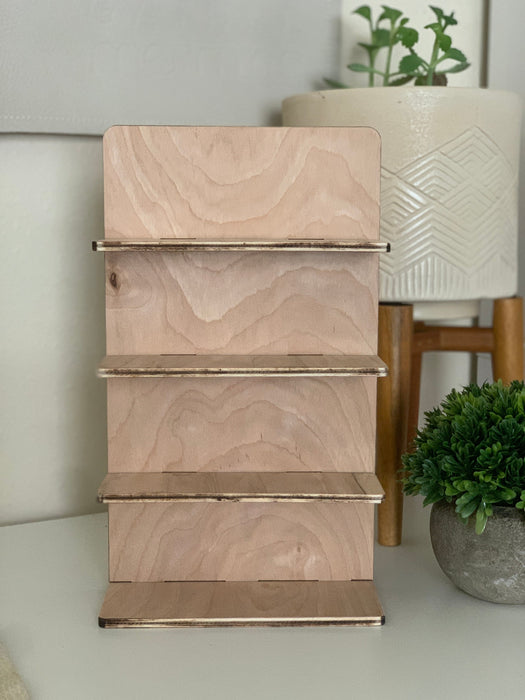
point(437, 641)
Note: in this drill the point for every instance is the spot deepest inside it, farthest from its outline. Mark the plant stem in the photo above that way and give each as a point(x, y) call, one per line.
point(371, 75)
point(386, 77)
point(433, 63)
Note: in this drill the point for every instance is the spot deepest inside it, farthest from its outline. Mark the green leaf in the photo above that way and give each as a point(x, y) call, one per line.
point(364, 11)
point(381, 38)
point(438, 12)
point(444, 42)
point(458, 68)
point(408, 37)
point(465, 500)
point(435, 26)
point(455, 55)
point(410, 64)
point(481, 520)
point(335, 83)
point(450, 20)
point(370, 49)
point(360, 68)
point(390, 13)
point(468, 509)
point(401, 81)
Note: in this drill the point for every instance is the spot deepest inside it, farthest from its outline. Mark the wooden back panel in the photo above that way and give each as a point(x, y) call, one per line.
point(241, 182)
point(241, 303)
point(241, 541)
point(244, 424)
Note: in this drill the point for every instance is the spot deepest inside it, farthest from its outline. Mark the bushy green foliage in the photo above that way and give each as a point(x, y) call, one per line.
point(391, 28)
point(471, 451)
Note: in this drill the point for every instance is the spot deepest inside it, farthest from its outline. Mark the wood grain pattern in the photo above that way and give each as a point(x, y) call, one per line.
point(395, 342)
point(507, 357)
point(240, 486)
point(167, 245)
point(241, 303)
point(241, 366)
point(239, 603)
point(262, 424)
point(241, 182)
point(241, 195)
point(240, 541)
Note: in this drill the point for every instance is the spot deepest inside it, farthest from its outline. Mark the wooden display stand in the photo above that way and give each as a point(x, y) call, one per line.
point(241, 314)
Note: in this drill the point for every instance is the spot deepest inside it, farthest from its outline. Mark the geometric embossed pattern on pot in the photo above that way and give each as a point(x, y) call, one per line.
point(450, 160)
point(451, 218)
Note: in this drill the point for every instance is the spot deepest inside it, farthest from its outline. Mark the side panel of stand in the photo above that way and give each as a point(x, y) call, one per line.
point(246, 424)
point(240, 541)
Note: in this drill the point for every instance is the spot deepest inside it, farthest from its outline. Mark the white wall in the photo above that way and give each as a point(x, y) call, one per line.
point(506, 71)
point(52, 423)
point(77, 66)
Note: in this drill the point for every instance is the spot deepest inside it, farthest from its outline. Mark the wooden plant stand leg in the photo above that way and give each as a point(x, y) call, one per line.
point(507, 355)
point(395, 347)
point(416, 364)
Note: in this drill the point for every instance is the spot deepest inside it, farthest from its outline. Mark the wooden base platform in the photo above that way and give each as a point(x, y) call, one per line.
point(241, 603)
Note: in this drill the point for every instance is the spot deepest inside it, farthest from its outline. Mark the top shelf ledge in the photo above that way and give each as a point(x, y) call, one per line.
point(241, 366)
point(167, 245)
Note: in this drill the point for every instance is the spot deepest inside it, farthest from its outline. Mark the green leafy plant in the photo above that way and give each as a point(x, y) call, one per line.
point(391, 28)
point(471, 451)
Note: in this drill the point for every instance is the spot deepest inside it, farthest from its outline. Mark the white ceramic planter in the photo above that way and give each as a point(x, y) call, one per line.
point(450, 160)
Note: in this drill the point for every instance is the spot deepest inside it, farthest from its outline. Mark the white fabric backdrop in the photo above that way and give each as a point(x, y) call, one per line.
point(79, 66)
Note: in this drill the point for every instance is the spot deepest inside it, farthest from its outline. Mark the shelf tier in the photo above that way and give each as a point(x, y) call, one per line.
point(241, 366)
point(171, 245)
point(241, 603)
point(292, 487)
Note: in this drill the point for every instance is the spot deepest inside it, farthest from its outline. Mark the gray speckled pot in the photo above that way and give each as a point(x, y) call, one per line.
point(490, 566)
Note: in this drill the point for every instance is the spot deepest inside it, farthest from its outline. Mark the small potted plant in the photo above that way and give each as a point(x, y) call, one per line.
point(450, 159)
point(469, 462)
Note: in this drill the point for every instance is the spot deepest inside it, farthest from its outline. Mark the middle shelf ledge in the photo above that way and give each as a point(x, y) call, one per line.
point(241, 366)
point(170, 245)
point(145, 487)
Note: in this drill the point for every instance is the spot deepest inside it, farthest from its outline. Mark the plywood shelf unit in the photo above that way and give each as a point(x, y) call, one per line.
point(241, 373)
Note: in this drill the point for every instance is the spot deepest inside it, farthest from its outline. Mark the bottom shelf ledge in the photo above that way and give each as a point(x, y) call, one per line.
point(241, 604)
